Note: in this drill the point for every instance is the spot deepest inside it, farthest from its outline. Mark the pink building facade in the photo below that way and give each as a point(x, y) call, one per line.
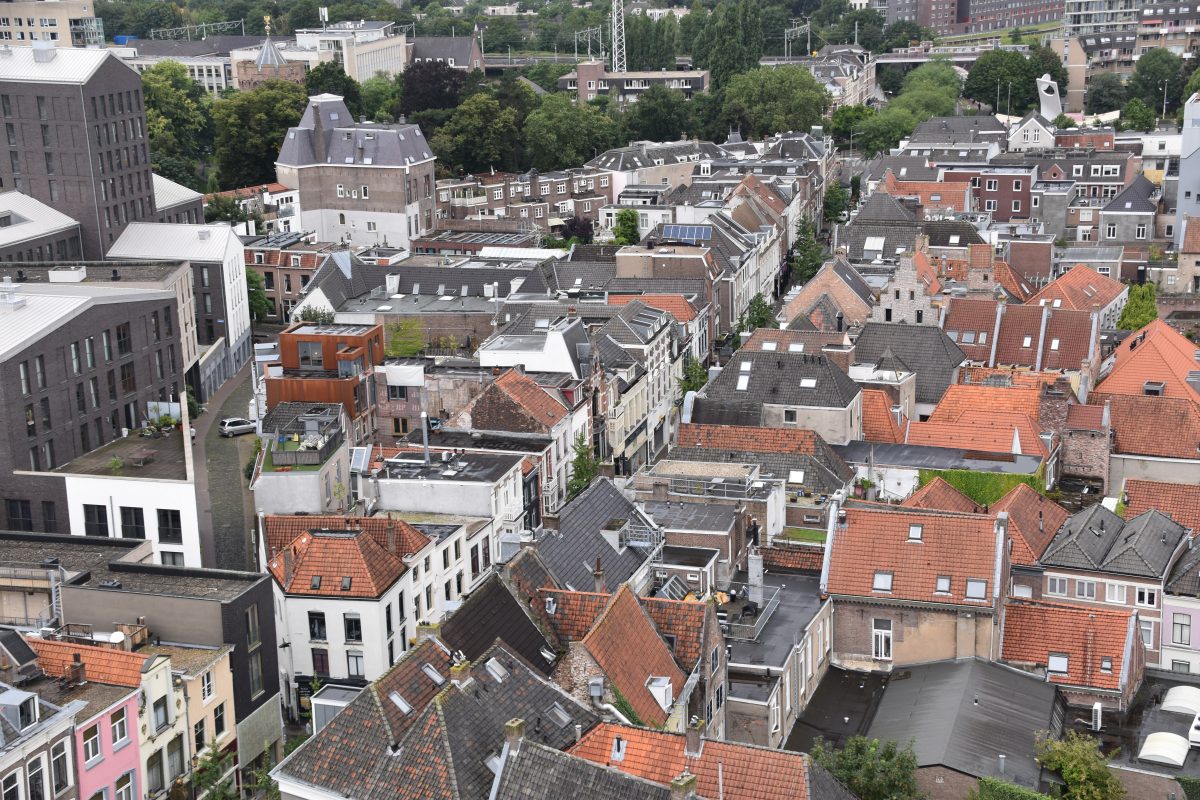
point(107, 750)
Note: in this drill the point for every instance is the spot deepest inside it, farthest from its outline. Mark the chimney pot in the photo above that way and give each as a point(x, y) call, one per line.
point(514, 732)
point(683, 787)
point(693, 742)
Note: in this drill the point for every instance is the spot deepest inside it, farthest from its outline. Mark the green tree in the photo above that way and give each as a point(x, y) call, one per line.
point(871, 770)
point(250, 128)
point(584, 466)
point(260, 305)
point(502, 33)
point(1045, 61)
point(694, 376)
point(1140, 309)
point(1016, 35)
point(904, 33)
point(546, 75)
point(837, 202)
point(730, 42)
point(405, 338)
point(994, 789)
point(477, 136)
point(1063, 121)
point(807, 254)
point(178, 116)
point(1105, 92)
point(848, 119)
point(430, 85)
point(625, 227)
point(994, 72)
point(212, 777)
point(262, 785)
point(659, 115)
point(864, 25)
point(768, 100)
point(759, 314)
point(1137, 116)
point(579, 229)
point(1190, 88)
point(1078, 759)
point(1155, 69)
point(886, 129)
point(935, 75)
point(319, 315)
point(560, 133)
point(224, 208)
point(330, 78)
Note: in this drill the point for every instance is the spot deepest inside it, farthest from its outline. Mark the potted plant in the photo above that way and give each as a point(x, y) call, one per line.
point(116, 464)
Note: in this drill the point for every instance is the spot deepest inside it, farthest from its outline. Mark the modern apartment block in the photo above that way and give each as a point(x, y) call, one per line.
point(67, 23)
point(363, 48)
point(1088, 17)
point(329, 364)
point(359, 183)
point(30, 230)
point(219, 283)
point(74, 129)
point(590, 79)
point(80, 366)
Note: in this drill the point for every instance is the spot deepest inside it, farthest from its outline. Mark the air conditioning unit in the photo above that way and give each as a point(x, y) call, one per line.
point(1096, 715)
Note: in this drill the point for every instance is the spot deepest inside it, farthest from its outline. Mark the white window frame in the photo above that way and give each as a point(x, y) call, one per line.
point(92, 749)
point(882, 581)
point(119, 724)
point(1056, 586)
point(206, 685)
point(1113, 592)
point(1146, 629)
point(976, 589)
point(1081, 594)
point(1185, 626)
point(1145, 593)
point(881, 640)
point(1058, 663)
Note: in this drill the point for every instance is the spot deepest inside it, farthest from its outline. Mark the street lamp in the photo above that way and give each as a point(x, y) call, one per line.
point(1164, 87)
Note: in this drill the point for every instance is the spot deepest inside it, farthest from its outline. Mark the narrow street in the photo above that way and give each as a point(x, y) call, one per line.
point(226, 507)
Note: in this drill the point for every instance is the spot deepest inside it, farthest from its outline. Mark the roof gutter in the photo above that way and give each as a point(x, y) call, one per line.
point(995, 333)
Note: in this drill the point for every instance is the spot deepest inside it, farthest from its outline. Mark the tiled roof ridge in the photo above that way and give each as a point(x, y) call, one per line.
point(908, 511)
point(1110, 611)
point(57, 648)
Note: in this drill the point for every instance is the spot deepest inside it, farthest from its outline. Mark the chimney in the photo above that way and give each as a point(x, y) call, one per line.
point(840, 321)
point(683, 787)
point(425, 435)
point(318, 134)
point(598, 577)
point(693, 742)
point(44, 52)
point(755, 568)
point(77, 671)
point(391, 534)
point(514, 732)
point(460, 673)
point(288, 555)
point(426, 631)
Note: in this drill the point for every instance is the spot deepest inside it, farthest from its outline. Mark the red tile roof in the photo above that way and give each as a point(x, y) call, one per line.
point(721, 768)
point(1180, 501)
point(248, 191)
point(281, 530)
point(983, 430)
point(1020, 378)
point(1032, 631)
point(975, 317)
point(1081, 288)
point(878, 422)
point(627, 647)
point(961, 546)
point(1155, 353)
point(1085, 418)
point(337, 564)
point(744, 437)
point(1191, 235)
point(1013, 283)
point(674, 304)
point(961, 399)
point(1174, 433)
point(574, 613)
point(683, 620)
point(1066, 343)
point(535, 400)
point(939, 495)
point(932, 194)
point(101, 664)
point(1032, 522)
point(927, 273)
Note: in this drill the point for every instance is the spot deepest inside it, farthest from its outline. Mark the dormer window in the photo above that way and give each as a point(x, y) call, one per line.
point(1153, 388)
point(914, 533)
point(28, 712)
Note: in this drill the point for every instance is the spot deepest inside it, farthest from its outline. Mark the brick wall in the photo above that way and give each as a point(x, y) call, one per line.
point(800, 557)
point(1085, 454)
point(942, 783)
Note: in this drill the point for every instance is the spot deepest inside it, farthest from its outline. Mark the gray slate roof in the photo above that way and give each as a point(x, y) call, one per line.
point(1098, 540)
point(926, 349)
point(1134, 198)
point(935, 706)
point(909, 168)
point(940, 232)
point(1185, 575)
point(570, 553)
point(491, 612)
point(775, 379)
point(365, 144)
point(444, 48)
point(538, 771)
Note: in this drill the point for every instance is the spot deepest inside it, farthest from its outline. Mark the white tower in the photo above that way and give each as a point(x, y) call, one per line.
point(618, 36)
point(1050, 101)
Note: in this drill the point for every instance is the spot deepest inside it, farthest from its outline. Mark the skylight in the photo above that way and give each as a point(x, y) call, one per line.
point(798, 347)
point(883, 582)
point(316, 582)
point(743, 383)
point(745, 366)
point(497, 670)
point(768, 345)
point(400, 702)
point(433, 674)
point(808, 383)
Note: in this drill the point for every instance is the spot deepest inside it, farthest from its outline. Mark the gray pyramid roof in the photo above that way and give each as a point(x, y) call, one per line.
point(269, 56)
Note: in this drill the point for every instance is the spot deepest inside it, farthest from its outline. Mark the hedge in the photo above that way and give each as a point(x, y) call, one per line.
point(1191, 786)
point(993, 789)
point(984, 488)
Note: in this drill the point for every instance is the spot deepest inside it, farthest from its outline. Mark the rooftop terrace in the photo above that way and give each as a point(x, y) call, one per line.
point(160, 457)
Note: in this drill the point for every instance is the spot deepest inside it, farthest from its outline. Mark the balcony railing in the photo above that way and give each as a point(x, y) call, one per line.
point(745, 617)
point(310, 452)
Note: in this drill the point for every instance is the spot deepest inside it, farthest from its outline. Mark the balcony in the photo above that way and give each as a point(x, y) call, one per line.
point(297, 452)
point(468, 200)
point(746, 610)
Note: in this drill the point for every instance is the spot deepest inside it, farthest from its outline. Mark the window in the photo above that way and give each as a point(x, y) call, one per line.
point(91, 743)
point(320, 659)
point(1147, 628)
point(354, 663)
point(160, 713)
point(219, 721)
point(1114, 592)
point(1181, 629)
point(310, 355)
point(1180, 666)
point(49, 516)
point(1016, 186)
point(256, 673)
point(1147, 597)
point(883, 582)
point(120, 727)
point(914, 532)
point(128, 379)
point(976, 589)
point(316, 625)
point(20, 515)
point(397, 392)
point(24, 370)
point(992, 185)
point(1140, 231)
point(1027, 341)
point(124, 339)
point(198, 732)
point(133, 525)
point(60, 766)
point(989, 205)
point(943, 584)
point(1057, 663)
point(253, 635)
point(1016, 206)
point(1110, 231)
point(175, 757)
point(1085, 590)
point(353, 626)
point(36, 780)
point(206, 685)
point(171, 559)
point(170, 528)
point(789, 415)
point(881, 645)
point(155, 781)
point(95, 520)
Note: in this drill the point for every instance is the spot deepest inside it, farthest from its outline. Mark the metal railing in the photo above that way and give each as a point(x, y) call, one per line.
point(309, 458)
point(750, 631)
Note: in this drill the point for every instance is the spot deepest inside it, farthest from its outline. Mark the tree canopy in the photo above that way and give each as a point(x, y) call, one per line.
point(1141, 309)
point(659, 115)
point(768, 100)
point(625, 227)
point(871, 770)
point(1157, 70)
point(250, 128)
point(178, 121)
point(479, 135)
point(561, 133)
point(1077, 758)
point(1105, 92)
point(330, 78)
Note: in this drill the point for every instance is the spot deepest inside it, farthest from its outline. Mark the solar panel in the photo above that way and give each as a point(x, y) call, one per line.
point(687, 233)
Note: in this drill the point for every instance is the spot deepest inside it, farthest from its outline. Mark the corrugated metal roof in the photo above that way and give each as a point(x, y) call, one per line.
point(69, 65)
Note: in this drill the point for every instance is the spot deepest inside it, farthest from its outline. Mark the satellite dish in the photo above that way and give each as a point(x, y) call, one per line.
point(116, 637)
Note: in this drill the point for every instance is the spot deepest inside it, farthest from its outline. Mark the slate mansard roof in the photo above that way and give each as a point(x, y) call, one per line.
point(347, 143)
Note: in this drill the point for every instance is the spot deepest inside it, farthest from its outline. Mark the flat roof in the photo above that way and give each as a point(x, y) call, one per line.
point(108, 273)
point(195, 582)
point(95, 696)
point(468, 467)
point(330, 329)
point(22, 550)
point(688, 556)
point(799, 602)
point(842, 707)
point(683, 516)
point(925, 457)
point(162, 457)
point(515, 443)
point(188, 659)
